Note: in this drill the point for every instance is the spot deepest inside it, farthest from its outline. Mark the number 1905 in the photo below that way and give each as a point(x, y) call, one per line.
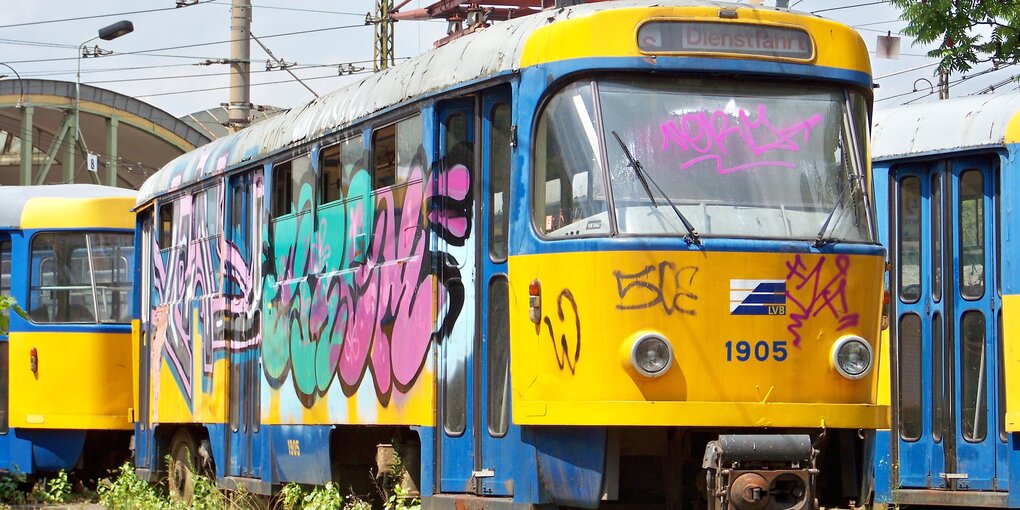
point(761, 351)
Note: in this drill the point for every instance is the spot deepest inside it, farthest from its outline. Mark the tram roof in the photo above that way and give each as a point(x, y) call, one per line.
point(17, 201)
point(499, 49)
point(965, 123)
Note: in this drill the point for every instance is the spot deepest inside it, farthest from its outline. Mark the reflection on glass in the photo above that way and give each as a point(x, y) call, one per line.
point(81, 278)
point(499, 169)
point(936, 237)
point(974, 405)
point(909, 229)
point(752, 160)
point(972, 235)
point(938, 391)
point(499, 357)
point(909, 336)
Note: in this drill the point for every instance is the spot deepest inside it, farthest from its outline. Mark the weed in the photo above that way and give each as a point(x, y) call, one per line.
point(54, 490)
point(11, 487)
point(128, 492)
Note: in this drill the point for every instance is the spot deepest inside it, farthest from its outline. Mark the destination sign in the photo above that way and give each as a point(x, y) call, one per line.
point(714, 37)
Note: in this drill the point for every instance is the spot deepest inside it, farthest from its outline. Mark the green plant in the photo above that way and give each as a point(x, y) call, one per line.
point(55, 490)
point(326, 497)
point(128, 492)
point(10, 487)
point(354, 502)
point(7, 304)
point(399, 500)
point(290, 497)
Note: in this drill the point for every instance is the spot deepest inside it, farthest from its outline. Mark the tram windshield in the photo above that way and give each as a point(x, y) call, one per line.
point(736, 159)
point(81, 278)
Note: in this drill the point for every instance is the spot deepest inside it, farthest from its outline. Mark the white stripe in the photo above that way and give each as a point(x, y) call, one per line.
point(750, 284)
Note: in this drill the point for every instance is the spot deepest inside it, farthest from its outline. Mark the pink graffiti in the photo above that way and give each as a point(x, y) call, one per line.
point(809, 294)
point(713, 136)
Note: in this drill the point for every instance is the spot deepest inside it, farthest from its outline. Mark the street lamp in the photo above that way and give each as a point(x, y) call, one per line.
point(107, 33)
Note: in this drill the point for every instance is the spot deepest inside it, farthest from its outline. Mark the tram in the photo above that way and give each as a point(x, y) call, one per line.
point(67, 258)
point(946, 171)
point(618, 252)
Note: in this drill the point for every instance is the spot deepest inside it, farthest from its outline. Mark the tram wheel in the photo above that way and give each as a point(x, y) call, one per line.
point(183, 463)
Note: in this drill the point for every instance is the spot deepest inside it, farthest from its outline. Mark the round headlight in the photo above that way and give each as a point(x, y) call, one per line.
point(852, 356)
point(652, 355)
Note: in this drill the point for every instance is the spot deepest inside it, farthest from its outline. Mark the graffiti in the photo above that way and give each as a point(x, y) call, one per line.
point(809, 293)
point(715, 136)
point(367, 304)
point(565, 356)
point(663, 285)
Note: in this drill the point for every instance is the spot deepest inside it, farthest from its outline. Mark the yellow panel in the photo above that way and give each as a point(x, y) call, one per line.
point(884, 370)
point(574, 366)
point(81, 381)
point(166, 400)
point(1011, 358)
point(613, 33)
point(108, 212)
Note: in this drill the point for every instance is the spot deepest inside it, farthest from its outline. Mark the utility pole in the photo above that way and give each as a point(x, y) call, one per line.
point(383, 35)
point(943, 84)
point(239, 107)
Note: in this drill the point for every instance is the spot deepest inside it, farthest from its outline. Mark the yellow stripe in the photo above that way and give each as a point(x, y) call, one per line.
point(613, 33)
point(104, 212)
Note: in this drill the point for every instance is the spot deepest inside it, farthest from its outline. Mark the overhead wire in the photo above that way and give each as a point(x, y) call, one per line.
point(95, 16)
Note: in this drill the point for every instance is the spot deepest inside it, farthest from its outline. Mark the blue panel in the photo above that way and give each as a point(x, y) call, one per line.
point(300, 453)
point(571, 463)
point(53, 450)
point(16, 453)
point(1014, 470)
point(427, 437)
point(217, 440)
point(883, 467)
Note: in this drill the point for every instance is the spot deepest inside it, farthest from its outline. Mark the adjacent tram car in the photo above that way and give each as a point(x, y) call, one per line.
point(67, 257)
point(946, 170)
point(615, 252)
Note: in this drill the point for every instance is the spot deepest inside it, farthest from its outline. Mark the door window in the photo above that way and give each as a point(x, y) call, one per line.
point(938, 359)
point(909, 226)
point(499, 187)
point(972, 377)
point(910, 377)
point(936, 237)
point(972, 235)
point(499, 357)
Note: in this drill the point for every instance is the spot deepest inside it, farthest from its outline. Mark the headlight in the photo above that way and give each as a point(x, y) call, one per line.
point(852, 357)
point(651, 355)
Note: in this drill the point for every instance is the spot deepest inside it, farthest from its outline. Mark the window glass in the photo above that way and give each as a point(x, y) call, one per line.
point(936, 237)
point(739, 159)
point(283, 190)
point(569, 194)
point(73, 273)
point(206, 217)
point(499, 183)
point(384, 155)
point(409, 140)
point(909, 228)
point(972, 235)
point(5, 267)
point(166, 225)
point(938, 391)
point(973, 375)
point(499, 357)
point(331, 174)
point(909, 335)
point(339, 164)
point(112, 260)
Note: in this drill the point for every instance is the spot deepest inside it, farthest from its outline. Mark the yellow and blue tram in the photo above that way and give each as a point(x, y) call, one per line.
point(946, 171)
point(67, 257)
point(614, 252)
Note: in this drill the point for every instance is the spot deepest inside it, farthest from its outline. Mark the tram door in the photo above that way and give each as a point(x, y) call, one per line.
point(244, 359)
point(143, 418)
point(474, 430)
point(951, 435)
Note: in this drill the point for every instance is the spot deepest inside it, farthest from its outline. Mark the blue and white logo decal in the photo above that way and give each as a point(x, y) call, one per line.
point(757, 297)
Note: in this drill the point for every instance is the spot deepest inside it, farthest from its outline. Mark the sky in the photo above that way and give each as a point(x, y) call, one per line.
point(159, 61)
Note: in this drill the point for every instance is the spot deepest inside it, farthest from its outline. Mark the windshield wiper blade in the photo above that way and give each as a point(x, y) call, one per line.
point(840, 205)
point(692, 234)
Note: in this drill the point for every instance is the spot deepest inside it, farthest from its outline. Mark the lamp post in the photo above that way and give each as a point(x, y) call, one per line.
point(21, 85)
point(107, 33)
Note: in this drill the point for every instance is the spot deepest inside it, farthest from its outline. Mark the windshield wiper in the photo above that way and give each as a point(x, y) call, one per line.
point(692, 235)
point(820, 239)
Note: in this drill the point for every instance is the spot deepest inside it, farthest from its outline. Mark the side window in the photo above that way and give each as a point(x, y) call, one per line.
point(61, 290)
point(393, 148)
point(499, 184)
point(5, 267)
point(206, 227)
point(283, 189)
point(338, 163)
point(569, 196)
point(166, 225)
